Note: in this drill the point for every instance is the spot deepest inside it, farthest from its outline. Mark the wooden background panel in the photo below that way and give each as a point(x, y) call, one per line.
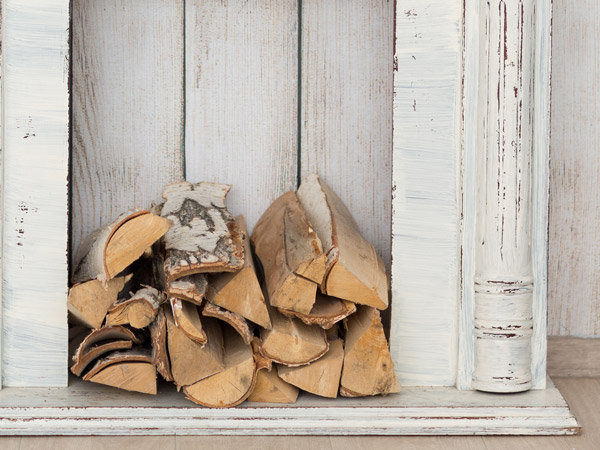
point(127, 107)
point(574, 234)
point(35, 192)
point(241, 99)
point(346, 107)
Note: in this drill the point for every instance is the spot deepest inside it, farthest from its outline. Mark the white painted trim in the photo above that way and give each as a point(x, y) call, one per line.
point(35, 76)
point(85, 409)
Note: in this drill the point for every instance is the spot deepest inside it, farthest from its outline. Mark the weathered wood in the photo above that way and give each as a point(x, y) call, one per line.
point(234, 384)
point(107, 339)
point(35, 180)
point(292, 342)
point(240, 291)
point(368, 366)
point(189, 360)
point(192, 288)
point(326, 312)
point(347, 56)
point(321, 377)
point(573, 357)
point(354, 271)
point(127, 107)
point(290, 253)
point(131, 376)
point(188, 320)
point(139, 310)
point(235, 320)
point(204, 237)
point(158, 335)
point(241, 99)
point(110, 249)
point(270, 388)
point(88, 302)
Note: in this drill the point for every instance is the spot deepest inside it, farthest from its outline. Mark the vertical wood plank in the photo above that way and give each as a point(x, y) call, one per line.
point(127, 107)
point(426, 218)
point(241, 99)
point(35, 172)
point(574, 236)
point(346, 107)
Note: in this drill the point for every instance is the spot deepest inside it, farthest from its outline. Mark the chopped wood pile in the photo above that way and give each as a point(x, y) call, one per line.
point(176, 291)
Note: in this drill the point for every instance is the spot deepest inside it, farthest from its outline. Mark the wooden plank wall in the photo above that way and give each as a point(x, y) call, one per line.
point(574, 234)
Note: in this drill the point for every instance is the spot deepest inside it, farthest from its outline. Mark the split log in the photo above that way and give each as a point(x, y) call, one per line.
point(234, 384)
point(240, 291)
point(187, 320)
point(270, 388)
point(109, 250)
point(292, 342)
point(131, 370)
point(139, 310)
point(160, 355)
point(100, 342)
point(322, 377)
point(191, 288)
point(88, 302)
point(354, 271)
point(235, 320)
point(204, 237)
point(326, 312)
point(368, 366)
point(290, 253)
point(189, 360)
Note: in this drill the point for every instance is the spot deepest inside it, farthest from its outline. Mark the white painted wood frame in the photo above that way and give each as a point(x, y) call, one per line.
point(435, 206)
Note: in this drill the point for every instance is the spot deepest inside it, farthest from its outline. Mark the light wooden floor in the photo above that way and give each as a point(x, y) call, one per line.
point(582, 394)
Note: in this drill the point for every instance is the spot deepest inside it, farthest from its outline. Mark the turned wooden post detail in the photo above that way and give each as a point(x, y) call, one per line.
point(503, 281)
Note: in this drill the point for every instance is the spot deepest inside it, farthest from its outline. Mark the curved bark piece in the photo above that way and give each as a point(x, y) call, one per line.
point(234, 384)
point(143, 355)
point(89, 301)
point(190, 361)
point(368, 366)
point(191, 288)
point(139, 310)
point(354, 270)
point(204, 238)
point(102, 341)
point(240, 291)
point(233, 319)
point(322, 377)
point(160, 355)
point(109, 250)
point(131, 376)
point(270, 388)
point(291, 254)
point(188, 320)
point(292, 342)
point(326, 312)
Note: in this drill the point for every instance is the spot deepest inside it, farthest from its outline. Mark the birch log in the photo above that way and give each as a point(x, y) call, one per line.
point(270, 388)
point(354, 270)
point(205, 237)
point(158, 335)
point(139, 310)
point(326, 312)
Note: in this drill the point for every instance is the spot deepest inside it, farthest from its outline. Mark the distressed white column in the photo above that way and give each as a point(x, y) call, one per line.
point(503, 281)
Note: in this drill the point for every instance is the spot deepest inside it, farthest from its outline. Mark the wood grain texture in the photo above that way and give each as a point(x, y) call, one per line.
point(346, 107)
point(574, 253)
point(241, 99)
point(426, 249)
point(573, 357)
point(36, 164)
point(127, 110)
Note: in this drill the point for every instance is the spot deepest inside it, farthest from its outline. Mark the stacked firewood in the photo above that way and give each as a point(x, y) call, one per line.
point(176, 290)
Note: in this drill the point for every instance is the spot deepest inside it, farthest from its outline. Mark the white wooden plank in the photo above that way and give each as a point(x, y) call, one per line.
point(1, 188)
point(241, 99)
point(426, 251)
point(574, 263)
point(35, 171)
point(85, 408)
point(127, 107)
point(346, 107)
